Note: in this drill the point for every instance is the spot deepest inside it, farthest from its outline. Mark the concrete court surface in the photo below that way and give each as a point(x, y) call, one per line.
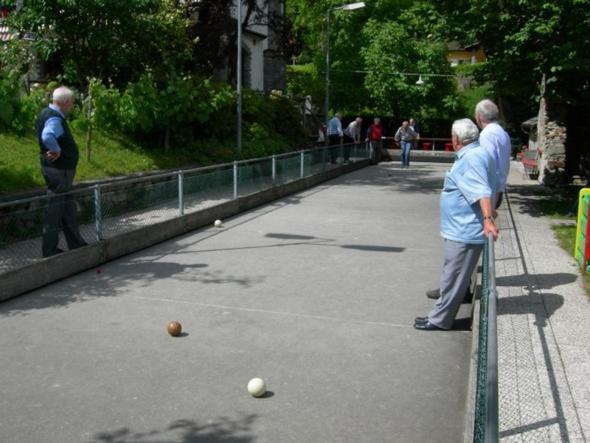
point(315, 293)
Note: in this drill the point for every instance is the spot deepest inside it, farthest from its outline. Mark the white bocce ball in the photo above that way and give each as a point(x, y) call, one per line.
point(218, 224)
point(256, 387)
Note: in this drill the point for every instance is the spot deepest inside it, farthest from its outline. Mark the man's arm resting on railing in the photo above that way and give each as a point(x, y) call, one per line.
point(487, 209)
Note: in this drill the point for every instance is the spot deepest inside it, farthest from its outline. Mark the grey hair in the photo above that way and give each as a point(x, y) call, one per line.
point(466, 131)
point(62, 94)
point(487, 111)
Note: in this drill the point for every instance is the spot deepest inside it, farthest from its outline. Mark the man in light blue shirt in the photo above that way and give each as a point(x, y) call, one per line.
point(335, 135)
point(466, 220)
point(496, 141)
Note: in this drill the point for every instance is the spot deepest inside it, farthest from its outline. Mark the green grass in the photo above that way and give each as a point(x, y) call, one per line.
point(561, 207)
point(114, 156)
point(566, 236)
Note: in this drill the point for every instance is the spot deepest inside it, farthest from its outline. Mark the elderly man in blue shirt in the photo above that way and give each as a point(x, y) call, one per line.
point(496, 141)
point(59, 159)
point(335, 135)
point(467, 209)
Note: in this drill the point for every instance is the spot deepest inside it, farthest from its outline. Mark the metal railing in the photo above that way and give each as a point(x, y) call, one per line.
point(433, 143)
point(107, 209)
point(486, 402)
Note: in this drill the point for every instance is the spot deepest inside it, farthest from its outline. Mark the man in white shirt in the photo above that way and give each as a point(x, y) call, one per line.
point(352, 135)
point(496, 141)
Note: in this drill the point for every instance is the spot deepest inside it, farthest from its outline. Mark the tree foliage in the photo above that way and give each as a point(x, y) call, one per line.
point(371, 44)
point(107, 39)
point(525, 39)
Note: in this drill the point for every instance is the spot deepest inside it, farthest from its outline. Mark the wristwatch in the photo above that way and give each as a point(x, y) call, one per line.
point(488, 218)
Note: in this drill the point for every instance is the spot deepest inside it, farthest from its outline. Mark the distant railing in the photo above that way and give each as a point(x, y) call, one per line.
point(429, 143)
point(108, 209)
point(486, 403)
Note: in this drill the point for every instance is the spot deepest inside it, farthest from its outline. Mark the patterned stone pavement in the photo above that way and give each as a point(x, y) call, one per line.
point(543, 327)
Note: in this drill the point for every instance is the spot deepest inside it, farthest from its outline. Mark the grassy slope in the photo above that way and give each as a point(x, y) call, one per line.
point(111, 156)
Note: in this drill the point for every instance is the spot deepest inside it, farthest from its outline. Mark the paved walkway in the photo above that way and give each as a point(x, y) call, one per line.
point(315, 293)
point(543, 328)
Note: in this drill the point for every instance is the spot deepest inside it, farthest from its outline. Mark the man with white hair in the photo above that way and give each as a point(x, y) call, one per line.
point(466, 220)
point(59, 159)
point(496, 141)
point(352, 134)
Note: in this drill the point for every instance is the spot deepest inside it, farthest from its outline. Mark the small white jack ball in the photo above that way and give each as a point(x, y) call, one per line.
point(256, 387)
point(218, 224)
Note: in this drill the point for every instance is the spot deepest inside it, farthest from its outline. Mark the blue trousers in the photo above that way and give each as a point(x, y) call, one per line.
point(406, 148)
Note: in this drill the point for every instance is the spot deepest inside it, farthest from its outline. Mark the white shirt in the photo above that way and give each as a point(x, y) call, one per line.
point(353, 131)
point(497, 142)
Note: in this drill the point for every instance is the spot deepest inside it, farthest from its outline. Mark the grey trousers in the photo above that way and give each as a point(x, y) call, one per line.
point(460, 260)
point(61, 211)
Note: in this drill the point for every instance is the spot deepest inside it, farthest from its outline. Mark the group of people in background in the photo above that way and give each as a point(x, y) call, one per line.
point(407, 136)
point(473, 190)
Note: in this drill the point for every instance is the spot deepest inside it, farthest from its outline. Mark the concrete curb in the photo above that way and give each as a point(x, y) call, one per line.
point(19, 281)
point(473, 356)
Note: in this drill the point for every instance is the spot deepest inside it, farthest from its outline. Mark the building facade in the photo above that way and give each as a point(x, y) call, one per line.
point(263, 65)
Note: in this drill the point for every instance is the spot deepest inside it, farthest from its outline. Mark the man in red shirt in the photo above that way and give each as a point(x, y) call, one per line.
point(375, 139)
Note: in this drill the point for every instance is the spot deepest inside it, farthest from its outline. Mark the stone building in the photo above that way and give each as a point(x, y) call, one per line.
point(263, 65)
point(561, 136)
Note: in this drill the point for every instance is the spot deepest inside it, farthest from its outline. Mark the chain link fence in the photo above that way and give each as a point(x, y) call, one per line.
point(104, 211)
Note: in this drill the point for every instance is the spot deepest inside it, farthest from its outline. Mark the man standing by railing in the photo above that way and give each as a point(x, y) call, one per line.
point(496, 141)
point(59, 159)
point(467, 209)
point(335, 135)
point(352, 134)
point(375, 135)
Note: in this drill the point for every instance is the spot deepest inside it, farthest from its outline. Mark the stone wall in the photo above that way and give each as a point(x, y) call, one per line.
point(552, 137)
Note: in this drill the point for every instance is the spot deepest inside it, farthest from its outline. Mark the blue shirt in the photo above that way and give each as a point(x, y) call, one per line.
point(497, 142)
point(472, 177)
point(52, 131)
point(335, 127)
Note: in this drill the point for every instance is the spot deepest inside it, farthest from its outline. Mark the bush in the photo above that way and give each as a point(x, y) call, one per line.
point(18, 109)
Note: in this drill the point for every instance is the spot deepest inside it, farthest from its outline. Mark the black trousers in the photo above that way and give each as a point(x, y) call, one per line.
point(61, 212)
point(335, 142)
point(375, 150)
point(348, 141)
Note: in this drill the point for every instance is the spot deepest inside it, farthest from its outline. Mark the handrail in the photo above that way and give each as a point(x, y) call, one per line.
point(492, 413)
point(128, 181)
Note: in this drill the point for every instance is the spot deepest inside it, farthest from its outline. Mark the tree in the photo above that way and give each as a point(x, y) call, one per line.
point(370, 44)
point(525, 39)
point(393, 51)
point(107, 39)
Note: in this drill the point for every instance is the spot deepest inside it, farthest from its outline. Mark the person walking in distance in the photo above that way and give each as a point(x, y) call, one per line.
point(405, 135)
point(335, 135)
point(496, 141)
point(466, 221)
point(352, 134)
point(375, 135)
point(59, 159)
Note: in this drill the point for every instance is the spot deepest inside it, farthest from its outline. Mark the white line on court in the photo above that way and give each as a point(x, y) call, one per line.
point(287, 314)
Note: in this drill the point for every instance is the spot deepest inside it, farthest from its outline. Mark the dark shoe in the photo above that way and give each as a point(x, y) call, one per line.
point(433, 294)
point(57, 251)
point(79, 245)
point(427, 327)
point(420, 319)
